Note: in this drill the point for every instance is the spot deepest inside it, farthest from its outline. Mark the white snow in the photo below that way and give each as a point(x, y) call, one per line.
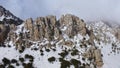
point(110, 60)
point(2, 17)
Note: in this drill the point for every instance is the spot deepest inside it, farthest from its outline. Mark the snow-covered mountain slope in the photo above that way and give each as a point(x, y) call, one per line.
point(64, 43)
point(109, 44)
point(41, 58)
point(110, 52)
point(6, 16)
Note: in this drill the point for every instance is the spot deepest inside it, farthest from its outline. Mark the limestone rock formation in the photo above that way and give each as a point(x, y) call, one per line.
point(29, 26)
point(42, 27)
point(74, 25)
point(36, 33)
point(47, 32)
point(69, 33)
point(95, 54)
point(98, 58)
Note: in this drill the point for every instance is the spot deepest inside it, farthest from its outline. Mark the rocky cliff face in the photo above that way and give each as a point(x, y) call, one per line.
point(69, 34)
point(48, 27)
point(51, 30)
point(8, 22)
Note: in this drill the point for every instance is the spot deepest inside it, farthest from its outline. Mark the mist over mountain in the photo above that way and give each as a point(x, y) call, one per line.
point(94, 10)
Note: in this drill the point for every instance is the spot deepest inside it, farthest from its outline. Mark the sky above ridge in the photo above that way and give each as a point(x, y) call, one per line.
point(89, 10)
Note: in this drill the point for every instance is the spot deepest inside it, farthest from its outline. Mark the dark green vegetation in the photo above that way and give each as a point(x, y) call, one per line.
point(51, 59)
point(63, 54)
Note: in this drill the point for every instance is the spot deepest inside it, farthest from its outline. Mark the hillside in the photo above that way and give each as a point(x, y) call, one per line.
point(47, 42)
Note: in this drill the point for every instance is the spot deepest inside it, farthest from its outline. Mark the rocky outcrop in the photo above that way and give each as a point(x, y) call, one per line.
point(98, 58)
point(50, 28)
point(8, 24)
point(94, 54)
point(43, 27)
point(3, 33)
point(48, 31)
point(29, 26)
point(74, 25)
point(92, 36)
point(9, 17)
point(69, 32)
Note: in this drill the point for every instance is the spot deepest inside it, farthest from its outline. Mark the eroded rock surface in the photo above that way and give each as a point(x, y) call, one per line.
point(47, 32)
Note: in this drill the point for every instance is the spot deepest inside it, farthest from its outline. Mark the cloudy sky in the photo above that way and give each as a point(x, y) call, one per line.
point(89, 10)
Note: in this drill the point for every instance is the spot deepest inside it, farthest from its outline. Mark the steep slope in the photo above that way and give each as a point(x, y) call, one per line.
point(64, 43)
point(67, 40)
point(108, 43)
point(7, 22)
point(8, 18)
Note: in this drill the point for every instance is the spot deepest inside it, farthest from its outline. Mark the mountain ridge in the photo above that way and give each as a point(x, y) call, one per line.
point(68, 40)
point(7, 16)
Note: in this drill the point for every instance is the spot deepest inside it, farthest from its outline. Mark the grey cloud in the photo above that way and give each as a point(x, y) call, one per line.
point(90, 10)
